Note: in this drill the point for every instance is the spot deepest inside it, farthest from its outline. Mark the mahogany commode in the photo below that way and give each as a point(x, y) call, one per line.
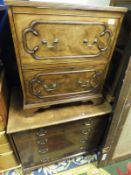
point(63, 51)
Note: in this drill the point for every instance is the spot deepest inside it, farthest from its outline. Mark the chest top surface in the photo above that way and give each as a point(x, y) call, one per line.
point(53, 116)
point(57, 5)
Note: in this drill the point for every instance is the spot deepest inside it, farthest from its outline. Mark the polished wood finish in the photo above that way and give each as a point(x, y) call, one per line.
point(57, 142)
point(52, 116)
point(52, 39)
point(53, 85)
point(54, 48)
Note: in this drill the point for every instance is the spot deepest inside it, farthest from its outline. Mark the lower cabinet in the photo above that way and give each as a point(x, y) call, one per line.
point(54, 143)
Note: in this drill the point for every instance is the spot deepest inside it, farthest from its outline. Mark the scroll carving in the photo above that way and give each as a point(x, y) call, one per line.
point(55, 43)
point(37, 85)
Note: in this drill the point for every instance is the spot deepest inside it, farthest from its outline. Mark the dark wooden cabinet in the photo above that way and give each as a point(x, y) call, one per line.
point(57, 133)
point(49, 144)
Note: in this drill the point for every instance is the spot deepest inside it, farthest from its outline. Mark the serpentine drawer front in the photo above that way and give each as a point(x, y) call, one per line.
point(47, 35)
point(58, 142)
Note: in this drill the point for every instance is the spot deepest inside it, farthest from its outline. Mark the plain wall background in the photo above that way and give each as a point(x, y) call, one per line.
point(87, 2)
point(124, 144)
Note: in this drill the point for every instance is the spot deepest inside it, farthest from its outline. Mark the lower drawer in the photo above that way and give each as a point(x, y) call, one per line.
point(53, 86)
point(62, 141)
point(76, 127)
point(31, 154)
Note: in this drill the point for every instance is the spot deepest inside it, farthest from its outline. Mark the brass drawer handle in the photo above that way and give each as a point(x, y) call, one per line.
point(93, 81)
point(87, 124)
point(41, 133)
point(50, 46)
point(43, 151)
point(43, 160)
point(97, 41)
point(84, 84)
point(84, 140)
point(42, 142)
point(85, 132)
point(50, 87)
point(38, 85)
point(82, 148)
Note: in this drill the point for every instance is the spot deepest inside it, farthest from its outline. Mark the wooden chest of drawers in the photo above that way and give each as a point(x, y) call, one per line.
point(57, 133)
point(49, 144)
point(63, 51)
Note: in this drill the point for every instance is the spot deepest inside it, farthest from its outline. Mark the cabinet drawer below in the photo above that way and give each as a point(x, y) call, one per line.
point(49, 144)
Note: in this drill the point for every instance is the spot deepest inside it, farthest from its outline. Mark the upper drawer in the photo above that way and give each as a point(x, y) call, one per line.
point(63, 38)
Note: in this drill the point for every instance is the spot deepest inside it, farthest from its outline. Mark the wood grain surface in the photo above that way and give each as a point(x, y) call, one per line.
point(51, 116)
point(58, 142)
point(61, 34)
